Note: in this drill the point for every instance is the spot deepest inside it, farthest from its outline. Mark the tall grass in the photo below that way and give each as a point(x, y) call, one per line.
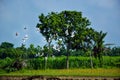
point(75, 62)
point(66, 72)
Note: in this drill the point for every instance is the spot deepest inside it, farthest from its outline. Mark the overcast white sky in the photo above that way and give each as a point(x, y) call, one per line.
point(17, 14)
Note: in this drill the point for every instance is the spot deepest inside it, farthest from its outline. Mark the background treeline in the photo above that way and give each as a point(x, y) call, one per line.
point(12, 59)
point(7, 49)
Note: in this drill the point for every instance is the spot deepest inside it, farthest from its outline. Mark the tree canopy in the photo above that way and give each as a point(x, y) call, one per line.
point(71, 28)
point(6, 45)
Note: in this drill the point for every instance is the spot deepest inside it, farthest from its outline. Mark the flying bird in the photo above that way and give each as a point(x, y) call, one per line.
point(25, 28)
point(16, 33)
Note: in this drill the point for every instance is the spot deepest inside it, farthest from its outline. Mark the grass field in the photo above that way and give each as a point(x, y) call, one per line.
point(66, 72)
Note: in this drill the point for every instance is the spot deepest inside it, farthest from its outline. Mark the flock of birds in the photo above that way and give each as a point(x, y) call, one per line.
point(25, 37)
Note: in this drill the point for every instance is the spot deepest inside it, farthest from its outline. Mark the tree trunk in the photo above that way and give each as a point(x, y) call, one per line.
point(91, 61)
point(68, 53)
point(45, 64)
point(67, 59)
point(49, 43)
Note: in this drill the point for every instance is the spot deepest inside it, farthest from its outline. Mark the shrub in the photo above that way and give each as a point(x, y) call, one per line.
point(75, 62)
point(36, 63)
point(59, 63)
point(5, 62)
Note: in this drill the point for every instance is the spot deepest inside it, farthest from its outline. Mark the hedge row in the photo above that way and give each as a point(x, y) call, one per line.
point(9, 64)
point(75, 62)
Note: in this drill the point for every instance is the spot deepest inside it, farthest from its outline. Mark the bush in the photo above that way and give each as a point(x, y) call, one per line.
point(111, 61)
point(5, 62)
point(56, 63)
point(36, 63)
point(9, 64)
point(75, 62)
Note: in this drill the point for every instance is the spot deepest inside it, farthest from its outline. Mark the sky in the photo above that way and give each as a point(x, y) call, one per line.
point(15, 15)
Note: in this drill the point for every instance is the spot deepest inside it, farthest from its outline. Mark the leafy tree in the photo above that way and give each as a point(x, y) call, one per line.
point(66, 25)
point(47, 27)
point(114, 51)
point(6, 45)
point(39, 49)
point(89, 43)
point(31, 51)
point(7, 50)
point(99, 45)
point(19, 53)
point(22, 51)
point(72, 30)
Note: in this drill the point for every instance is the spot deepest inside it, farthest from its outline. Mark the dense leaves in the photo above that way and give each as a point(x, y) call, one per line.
point(58, 63)
point(71, 28)
point(6, 45)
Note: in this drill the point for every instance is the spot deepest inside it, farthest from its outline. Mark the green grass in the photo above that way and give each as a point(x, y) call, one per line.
point(66, 72)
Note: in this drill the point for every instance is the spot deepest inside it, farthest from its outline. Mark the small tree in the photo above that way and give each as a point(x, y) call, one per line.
point(31, 51)
point(99, 45)
point(6, 45)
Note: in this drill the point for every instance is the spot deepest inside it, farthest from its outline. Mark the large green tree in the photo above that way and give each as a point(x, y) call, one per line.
point(66, 25)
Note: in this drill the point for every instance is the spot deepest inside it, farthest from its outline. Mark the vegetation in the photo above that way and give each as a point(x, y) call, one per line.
point(71, 28)
point(77, 47)
point(66, 72)
point(34, 52)
point(80, 62)
point(75, 62)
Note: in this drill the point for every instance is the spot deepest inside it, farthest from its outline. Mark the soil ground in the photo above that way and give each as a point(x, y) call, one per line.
point(56, 78)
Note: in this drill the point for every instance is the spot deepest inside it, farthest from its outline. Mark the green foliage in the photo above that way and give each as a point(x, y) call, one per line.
point(99, 46)
point(111, 61)
point(78, 53)
point(31, 51)
point(20, 52)
point(75, 62)
point(6, 45)
point(114, 51)
point(72, 28)
point(56, 63)
point(10, 65)
point(36, 63)
point(5, 64)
